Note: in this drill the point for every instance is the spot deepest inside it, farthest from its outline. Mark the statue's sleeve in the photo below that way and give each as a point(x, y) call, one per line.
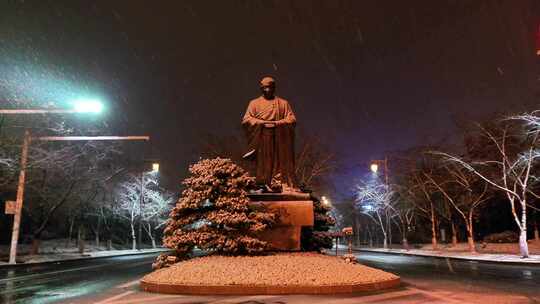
point(250, 117)
point(252, 126)
point(285, 143)
point(288, 116)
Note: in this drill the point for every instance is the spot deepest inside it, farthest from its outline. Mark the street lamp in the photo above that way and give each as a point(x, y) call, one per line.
point(325, 201)
point(78, 106)
point(375, 167)
point(87, 106)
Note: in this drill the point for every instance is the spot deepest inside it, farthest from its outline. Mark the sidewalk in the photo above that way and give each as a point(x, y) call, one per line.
point(480, 257)
point(58, 257)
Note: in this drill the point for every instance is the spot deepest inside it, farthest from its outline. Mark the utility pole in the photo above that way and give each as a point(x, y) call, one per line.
point(22, 174)
point(155, 169)
point(19, 201)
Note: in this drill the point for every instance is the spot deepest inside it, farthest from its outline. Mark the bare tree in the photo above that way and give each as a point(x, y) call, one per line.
point(424, 201)
point(56, 171)
point(377, 200)
point(414, 192)
point(511, 170)
point(155, 211)
point(152, 209)
point(405, 213)
point(446, 211)
point(314, 162)
point(127, 204)
point(9, 160)
point(463, 191)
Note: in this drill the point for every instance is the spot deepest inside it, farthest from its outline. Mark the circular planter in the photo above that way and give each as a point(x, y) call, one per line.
point(266, 290)
point(284, 273)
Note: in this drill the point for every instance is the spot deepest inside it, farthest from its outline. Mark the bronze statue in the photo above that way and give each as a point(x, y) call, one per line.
point(269, 123)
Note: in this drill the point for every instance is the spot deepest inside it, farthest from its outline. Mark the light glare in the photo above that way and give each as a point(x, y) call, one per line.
point(325, 201)
point(155, 167)
point(88, 106)
point(374, 168)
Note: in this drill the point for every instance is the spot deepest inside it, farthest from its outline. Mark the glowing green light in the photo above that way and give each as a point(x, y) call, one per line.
point(88, 106)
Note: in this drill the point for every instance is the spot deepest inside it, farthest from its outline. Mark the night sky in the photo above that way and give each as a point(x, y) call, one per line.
point(368, 77)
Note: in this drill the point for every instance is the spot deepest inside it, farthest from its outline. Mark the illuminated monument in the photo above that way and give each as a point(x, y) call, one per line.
point(269, 123)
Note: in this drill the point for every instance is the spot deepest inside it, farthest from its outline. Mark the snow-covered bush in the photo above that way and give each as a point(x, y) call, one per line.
point(214, 214)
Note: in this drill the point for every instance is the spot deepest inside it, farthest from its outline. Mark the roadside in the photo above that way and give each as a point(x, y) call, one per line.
point(497, 253)
point(56, 251)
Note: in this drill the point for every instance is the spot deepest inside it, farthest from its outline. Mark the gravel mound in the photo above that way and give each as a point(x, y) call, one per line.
point(282, 269)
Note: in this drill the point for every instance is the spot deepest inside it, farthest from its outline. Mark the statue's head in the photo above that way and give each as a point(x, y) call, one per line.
point(268, 87)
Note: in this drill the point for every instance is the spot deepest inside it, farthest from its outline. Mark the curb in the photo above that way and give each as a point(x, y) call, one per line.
point(89, 257)
point(267, 290)
point(479, 260)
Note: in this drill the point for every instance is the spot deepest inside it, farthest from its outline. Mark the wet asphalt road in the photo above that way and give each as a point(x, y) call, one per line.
point(54, 282)
point(460, 276)
point(425, 280)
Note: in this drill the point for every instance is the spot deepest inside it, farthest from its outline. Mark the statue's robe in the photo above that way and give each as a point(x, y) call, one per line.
point(274, 146)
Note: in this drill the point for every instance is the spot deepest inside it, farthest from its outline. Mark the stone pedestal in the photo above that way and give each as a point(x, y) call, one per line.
point(294, 211)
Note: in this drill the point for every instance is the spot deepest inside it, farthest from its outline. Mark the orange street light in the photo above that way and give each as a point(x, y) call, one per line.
point(375, 167)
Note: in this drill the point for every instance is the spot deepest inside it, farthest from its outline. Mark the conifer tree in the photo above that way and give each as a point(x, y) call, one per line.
point(214, 214)
point(316, 238)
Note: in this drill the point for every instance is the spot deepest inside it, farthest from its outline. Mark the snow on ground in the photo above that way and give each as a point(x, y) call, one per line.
point(61, 249)
point(500, 252)
point(503, 248)
point(493, 248)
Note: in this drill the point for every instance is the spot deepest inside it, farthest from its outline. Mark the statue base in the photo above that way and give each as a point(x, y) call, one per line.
point(294, 211)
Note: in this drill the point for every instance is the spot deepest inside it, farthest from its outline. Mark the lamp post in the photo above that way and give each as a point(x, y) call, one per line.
point(22, 174)
point(327, 202)
point(79, 106)
point(376, 163)
point(374, 166)
point(155, 170)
